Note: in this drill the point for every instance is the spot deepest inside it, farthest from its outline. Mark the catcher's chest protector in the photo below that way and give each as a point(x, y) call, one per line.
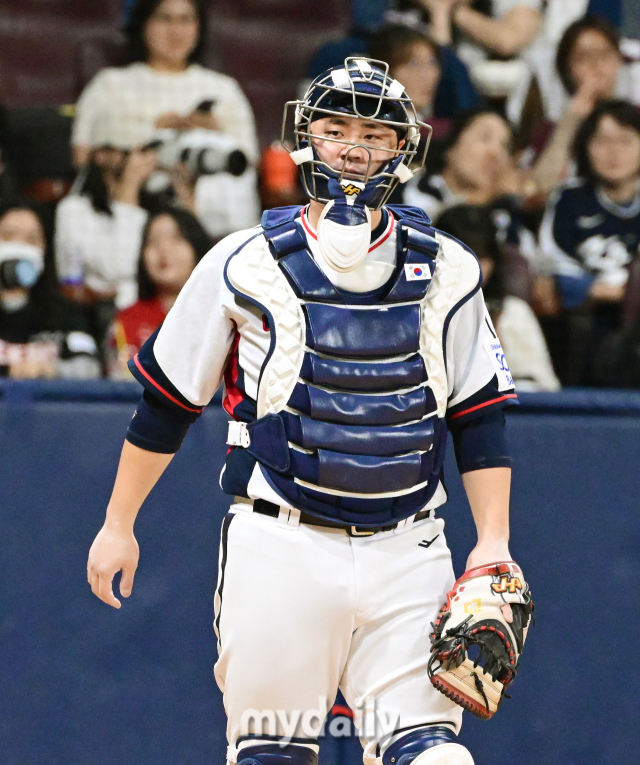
point(353, 392)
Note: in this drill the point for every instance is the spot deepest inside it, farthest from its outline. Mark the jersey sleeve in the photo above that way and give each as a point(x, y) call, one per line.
point(477, 370)
point(182, 363)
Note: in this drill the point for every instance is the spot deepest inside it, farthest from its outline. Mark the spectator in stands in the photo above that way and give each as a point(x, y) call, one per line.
point(589, 58)
point(98, 233)
point(172, 244)
point(591, 68)
point(591, 229)
point(475, 165)
point(516, 324)
point(165, 89)
point(416, 62)
point(36, 338)
point(370, 36)
point(543, 82)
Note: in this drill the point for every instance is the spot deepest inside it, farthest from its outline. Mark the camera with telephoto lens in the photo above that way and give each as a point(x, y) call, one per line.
point(20, 265)
point(203, 152)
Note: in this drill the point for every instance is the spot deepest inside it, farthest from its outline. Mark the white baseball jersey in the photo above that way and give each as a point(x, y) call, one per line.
point(211, 333)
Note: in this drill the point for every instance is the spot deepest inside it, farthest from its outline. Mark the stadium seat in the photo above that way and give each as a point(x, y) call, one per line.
point(268, 70)
point(332, 13)
point(81, 10)
point(37, 64)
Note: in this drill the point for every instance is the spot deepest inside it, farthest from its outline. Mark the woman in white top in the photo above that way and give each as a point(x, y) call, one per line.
point(166, 89)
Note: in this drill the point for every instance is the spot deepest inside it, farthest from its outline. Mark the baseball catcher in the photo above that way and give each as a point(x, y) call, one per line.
point(352, 337)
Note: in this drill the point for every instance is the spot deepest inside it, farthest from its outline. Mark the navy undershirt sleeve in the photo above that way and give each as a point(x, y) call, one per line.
point(481, 442)
point(157, 427)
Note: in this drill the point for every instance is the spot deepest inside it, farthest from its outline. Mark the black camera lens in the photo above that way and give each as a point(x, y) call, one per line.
point(236, 162)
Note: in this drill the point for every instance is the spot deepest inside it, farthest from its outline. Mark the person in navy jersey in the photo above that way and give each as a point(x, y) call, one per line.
point(591, 228)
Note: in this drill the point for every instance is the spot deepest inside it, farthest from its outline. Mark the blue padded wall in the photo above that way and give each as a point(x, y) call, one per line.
point(82, 684)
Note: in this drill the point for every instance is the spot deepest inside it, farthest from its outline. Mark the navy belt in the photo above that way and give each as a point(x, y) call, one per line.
point(265, 507)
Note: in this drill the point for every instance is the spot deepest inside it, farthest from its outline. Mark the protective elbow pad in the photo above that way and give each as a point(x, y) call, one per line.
point(432, 745)
point(274, 754)
point(481, 442)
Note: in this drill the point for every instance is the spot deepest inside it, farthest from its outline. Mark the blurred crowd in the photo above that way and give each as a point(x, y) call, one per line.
point(534, 163)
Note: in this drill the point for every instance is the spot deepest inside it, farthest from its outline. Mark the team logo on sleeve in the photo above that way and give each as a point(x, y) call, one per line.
point(416, 273)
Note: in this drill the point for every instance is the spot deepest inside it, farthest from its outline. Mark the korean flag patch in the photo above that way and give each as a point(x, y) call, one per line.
point(416, 273)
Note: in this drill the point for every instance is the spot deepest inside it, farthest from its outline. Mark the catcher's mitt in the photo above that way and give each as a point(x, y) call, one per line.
point(471, 621)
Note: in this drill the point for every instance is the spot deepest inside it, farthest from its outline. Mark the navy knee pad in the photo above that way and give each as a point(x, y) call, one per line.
point(404, 750)
point(274, 754)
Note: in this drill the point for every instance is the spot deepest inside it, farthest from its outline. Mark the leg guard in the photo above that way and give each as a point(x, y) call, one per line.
point(432, 745)
point(266, 753)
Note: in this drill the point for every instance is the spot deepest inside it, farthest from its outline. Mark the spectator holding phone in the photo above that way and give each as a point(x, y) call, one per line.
point(98, 233)
point(165, 96)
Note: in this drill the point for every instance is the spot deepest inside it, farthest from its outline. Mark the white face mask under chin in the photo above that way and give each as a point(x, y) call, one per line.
point(343, 247)
point(368, 276)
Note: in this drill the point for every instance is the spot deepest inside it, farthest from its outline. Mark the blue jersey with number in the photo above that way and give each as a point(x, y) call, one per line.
point(589, 237)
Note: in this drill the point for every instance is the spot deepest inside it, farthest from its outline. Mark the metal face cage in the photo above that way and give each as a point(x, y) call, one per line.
point(362, 89)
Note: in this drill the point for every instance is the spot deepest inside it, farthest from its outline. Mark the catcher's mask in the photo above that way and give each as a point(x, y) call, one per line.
point(361, 88)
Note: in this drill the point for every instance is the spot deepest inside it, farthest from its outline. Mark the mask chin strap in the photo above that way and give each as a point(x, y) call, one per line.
point(344, 234)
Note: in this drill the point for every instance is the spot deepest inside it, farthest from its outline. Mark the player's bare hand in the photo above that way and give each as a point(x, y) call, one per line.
point(112, 550)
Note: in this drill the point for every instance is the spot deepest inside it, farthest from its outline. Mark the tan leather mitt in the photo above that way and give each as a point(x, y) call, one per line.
point(474, 651)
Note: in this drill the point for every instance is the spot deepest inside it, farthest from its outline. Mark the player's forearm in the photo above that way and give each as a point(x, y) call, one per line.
point(488, 494)
point(138, 472)
point(506, 36)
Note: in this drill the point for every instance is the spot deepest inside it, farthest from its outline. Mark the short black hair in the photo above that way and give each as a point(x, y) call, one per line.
point(393, 43)
point(138, 16)
point(460, 123)
point(570, 38)
point(623, 112)
point(190, 228)
point(474, 225)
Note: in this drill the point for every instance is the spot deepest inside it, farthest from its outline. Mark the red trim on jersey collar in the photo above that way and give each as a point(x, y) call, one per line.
point(162, 390)
point(374, 245)
point(486, 403)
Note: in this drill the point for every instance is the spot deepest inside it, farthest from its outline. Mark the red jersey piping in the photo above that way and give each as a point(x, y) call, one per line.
point(383, 237)
point(486, 403)
point(161, 389)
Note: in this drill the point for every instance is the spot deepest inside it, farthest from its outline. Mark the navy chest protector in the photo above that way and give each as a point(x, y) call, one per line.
point(359, 440)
